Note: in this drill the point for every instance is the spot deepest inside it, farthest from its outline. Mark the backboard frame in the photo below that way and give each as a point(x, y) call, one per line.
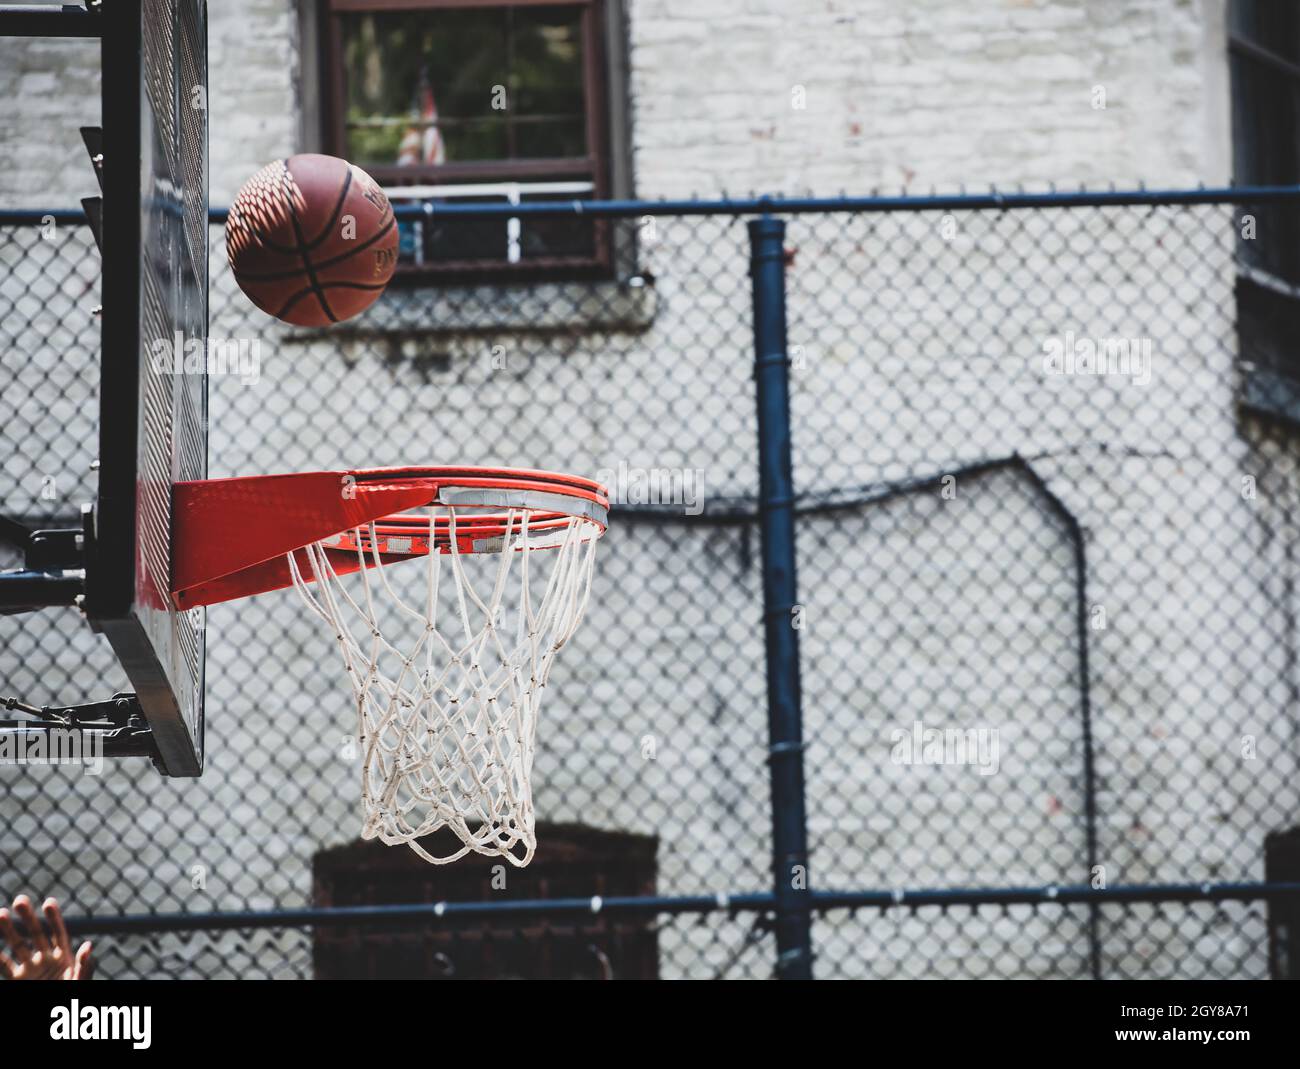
point(153, 423)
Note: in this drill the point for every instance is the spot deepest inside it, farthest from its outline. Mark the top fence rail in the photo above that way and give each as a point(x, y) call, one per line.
point(995, 200)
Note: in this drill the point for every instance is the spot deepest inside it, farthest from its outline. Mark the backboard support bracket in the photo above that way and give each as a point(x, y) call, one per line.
point(112, 728)
point(54, 567)
point(45, 20)
point(93, 138)
point(54, 574)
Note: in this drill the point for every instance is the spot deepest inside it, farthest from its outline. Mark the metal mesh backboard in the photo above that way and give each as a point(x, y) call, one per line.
point(153, 423)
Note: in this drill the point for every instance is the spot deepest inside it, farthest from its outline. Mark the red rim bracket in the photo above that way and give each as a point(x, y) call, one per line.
point(231, 537)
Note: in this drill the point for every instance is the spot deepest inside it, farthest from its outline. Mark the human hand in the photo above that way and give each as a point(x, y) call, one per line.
point(38, 956)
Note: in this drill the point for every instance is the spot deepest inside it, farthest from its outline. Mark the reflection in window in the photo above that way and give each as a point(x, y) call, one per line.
point(431, 87)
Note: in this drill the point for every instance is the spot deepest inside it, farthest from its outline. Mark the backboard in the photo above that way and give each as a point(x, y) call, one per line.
point(153, 405)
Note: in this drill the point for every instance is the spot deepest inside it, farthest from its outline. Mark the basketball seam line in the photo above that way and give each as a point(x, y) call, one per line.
point(240, 221)
point(310, 271)
point(338, 210)
point(329, 286)
point(300, 294)
point(278, 276)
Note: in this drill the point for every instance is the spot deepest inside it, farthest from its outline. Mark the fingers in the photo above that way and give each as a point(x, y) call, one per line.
point(16, 942)
point(59, 930)
point(43, 967)
point(35, 930)
point(33, 956)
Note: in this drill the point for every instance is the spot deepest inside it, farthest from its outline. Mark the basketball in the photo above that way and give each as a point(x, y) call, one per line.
point(312, 240)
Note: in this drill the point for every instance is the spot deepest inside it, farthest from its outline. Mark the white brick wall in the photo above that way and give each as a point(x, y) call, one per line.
point(931, 92)
point(920, 94)
point(52, 88)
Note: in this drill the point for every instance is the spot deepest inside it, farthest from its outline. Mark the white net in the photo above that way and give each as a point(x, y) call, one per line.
point(448, 689)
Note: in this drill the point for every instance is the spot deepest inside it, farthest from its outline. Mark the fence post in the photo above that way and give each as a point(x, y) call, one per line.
point(776, 520)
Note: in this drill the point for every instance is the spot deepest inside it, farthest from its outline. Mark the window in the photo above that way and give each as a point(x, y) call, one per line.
point(465, 101)
point(1264, 52)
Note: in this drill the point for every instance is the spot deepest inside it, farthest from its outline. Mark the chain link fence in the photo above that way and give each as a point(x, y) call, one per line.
point(1047, 493)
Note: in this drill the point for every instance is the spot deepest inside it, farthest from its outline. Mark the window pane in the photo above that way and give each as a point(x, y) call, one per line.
point(457, 86)
point(444, 240)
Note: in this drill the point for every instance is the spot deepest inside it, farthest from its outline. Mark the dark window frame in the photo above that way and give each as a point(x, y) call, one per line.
point(1268, 283)
point(595, 167)
point(1252, 64)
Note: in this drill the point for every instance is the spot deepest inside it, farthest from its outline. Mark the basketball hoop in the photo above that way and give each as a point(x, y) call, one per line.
point(448, 674)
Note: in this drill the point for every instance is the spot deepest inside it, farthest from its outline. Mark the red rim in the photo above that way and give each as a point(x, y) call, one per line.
point(231, 537)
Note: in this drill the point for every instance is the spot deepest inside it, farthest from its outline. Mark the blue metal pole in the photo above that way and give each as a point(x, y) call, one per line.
point(776, 522)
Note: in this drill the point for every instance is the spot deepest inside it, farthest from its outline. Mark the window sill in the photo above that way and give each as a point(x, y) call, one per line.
point(541, 308)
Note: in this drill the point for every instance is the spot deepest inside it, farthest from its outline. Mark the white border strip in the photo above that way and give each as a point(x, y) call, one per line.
point(534, 500)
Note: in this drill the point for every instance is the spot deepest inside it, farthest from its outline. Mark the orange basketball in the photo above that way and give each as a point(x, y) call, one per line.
point(312, 240)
